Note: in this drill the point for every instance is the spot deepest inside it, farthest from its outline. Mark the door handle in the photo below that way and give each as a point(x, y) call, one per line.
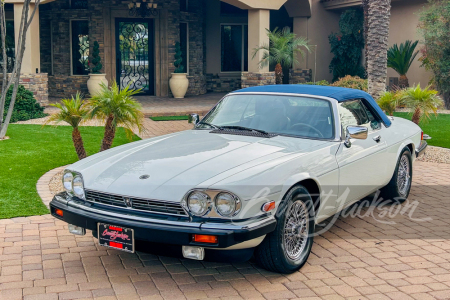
point(377, 138)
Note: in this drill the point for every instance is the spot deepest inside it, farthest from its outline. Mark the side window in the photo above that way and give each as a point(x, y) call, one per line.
point(355, 112)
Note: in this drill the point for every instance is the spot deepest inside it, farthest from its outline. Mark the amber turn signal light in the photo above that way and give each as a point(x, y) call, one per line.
point(268, 206)
point(208, 239)
point(59, 212)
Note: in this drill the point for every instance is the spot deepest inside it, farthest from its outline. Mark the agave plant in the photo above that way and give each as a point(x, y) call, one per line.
point(401, 58)
point(389, 101)
point(118, 108)
point(283, 50)
point(72, 111)
point(422, 102)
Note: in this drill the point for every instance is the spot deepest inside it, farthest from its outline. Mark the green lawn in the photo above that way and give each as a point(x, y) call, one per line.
point(438, 128)
point(170, 118)
point(31, 151)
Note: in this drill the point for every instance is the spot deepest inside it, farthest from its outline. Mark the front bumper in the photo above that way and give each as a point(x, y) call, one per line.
point(422, 148)
point(167, 230)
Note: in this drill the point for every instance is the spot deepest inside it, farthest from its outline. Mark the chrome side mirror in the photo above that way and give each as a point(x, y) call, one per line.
point(194, 119)
point(355, 132)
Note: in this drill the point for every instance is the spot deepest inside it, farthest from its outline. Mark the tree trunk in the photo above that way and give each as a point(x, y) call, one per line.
point(365, 4)
point(416, 116)
point(446, 97)
point(78, 143)
point(278, 74)
point(110, 133)
point(379, 12)
point(403, 82)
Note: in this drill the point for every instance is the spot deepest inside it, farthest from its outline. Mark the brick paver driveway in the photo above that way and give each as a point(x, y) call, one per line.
point(404, 255)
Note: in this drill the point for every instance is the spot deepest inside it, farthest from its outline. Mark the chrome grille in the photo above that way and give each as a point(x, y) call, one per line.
point(169, 208)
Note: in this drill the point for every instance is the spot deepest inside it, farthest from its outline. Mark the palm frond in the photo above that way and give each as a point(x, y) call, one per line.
point(401, 58)
point(426, 100)
point(72, 111)
point(121, 105)
point(284, 48)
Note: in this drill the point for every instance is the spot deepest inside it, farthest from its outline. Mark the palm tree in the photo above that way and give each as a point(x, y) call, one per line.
point(378, 14)
point(72, 111)
point(401, 58)
point(422, 102)
point(118, 108)
point(283, 50)
point(389, 101)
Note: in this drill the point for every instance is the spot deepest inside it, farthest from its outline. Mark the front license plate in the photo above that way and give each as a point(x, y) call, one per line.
point(116, 237)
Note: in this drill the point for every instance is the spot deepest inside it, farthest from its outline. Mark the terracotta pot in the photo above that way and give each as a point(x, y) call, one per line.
point(94, 82)
point(179, 85)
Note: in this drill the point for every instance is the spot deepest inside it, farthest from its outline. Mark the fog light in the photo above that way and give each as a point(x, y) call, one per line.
point(197, 253)
point(59, 212)
point(76, 230)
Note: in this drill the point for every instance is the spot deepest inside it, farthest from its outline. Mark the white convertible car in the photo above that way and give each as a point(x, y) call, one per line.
point(253, 177)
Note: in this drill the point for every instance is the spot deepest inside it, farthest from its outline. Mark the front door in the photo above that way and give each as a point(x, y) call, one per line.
point(363, 166)
point(134, 54)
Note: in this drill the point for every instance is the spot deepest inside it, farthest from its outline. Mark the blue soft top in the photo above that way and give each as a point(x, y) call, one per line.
point(338, 93)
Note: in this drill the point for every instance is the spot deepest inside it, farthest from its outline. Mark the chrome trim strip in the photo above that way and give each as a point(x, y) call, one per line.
point(218, 226)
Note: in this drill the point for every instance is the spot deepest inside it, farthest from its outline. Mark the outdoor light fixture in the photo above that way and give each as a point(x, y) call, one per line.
point(143, 8)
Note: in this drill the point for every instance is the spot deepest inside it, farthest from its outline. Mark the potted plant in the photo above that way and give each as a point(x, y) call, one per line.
point(95, 77)
point(179, 82)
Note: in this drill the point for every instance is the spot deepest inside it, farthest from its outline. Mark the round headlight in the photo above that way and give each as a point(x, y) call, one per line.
point(199, 203)
point(227, 204)
point(78, 188)
point(67, 181)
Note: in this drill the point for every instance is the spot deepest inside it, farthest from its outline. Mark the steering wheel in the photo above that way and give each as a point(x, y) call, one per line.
point(309, 127)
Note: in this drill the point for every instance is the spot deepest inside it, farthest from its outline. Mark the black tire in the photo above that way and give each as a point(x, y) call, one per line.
point(393, 191)
point(271, 254)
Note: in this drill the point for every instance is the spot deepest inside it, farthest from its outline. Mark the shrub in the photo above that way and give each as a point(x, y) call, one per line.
point(25, 107)
point(352, 82)
point(96, 64)
point(322, 82)
point(347, 45)
point(178, 63)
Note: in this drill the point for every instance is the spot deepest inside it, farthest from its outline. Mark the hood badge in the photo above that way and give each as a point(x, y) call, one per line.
point(144, 177)
point(128, 202)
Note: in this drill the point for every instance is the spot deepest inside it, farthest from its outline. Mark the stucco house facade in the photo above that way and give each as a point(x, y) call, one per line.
point(216, 38)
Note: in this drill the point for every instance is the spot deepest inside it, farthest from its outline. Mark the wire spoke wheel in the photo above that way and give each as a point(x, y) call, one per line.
point(404, 177)
point(296, 230)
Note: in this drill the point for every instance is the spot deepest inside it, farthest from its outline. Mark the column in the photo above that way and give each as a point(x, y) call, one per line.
point(31, 57)
point(258, 23)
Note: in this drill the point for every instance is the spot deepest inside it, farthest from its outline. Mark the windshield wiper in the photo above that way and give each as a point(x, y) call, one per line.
point(245, 128)
point(210, 125)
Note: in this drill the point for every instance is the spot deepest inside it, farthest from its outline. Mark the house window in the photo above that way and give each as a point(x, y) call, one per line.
point(80, 47)
point(78, 4)
point(10, 47)
point(184, 45)
point(234, 54)
point(184, 5)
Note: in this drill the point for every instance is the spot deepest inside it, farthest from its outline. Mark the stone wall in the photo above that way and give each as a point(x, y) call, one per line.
point(195, 18)
point(36, 83)
point(55, 35)
point(300, 76)
point(222, 84)
point(250, 79)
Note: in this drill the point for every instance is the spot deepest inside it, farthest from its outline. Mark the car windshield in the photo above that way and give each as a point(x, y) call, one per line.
point(284, 115)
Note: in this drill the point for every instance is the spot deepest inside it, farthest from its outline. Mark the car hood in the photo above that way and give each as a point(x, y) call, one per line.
point(174, 164)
